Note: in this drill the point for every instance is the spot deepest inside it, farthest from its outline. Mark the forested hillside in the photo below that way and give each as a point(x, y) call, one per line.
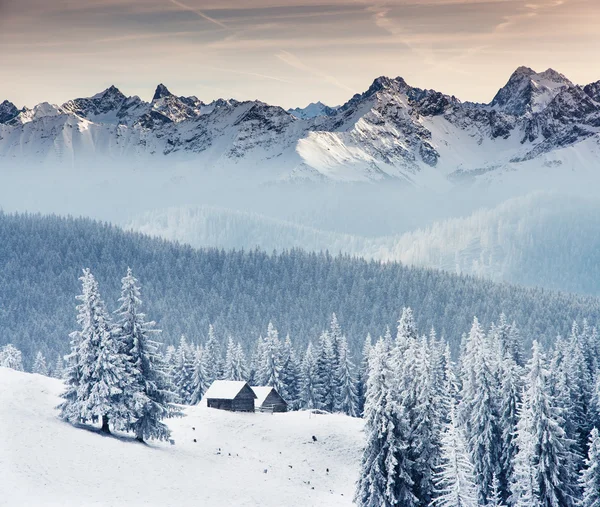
point(240, 292)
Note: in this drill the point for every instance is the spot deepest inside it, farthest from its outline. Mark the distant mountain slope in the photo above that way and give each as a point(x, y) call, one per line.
point(47, 462)
point(392, 131)
point(186, 289)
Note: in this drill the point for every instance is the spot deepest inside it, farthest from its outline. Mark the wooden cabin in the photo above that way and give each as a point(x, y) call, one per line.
point(232, 395)
point(268, 399)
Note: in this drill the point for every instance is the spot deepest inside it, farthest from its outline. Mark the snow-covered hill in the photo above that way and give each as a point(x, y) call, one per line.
point(237, 459)
point(538, 121)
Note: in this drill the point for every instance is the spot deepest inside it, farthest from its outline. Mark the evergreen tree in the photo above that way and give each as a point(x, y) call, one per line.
point(104, 376)
point(213, 362)
point(455, 479)
point(361, 380)
point(383, 480)
point(230, 361)
point(58, 370)
point(326, 378)
point(149, 390)
point(270, 372)
point(479, 411)
point(511, 387)
point(39, 365)
point(199, 384)
point(183, 373)
point(590, 475)
point(291, 375)
point(347, 398)
point(543, 445)
point(495, 498)
point(309, 397)
point(11, 357)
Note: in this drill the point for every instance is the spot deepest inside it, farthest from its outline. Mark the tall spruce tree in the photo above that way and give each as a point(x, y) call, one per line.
point(105, 378)
point(384, 480)
point(479, 410)
point(309, 396)
point(455, 478)
point(149, 389)
point(199, 383)
point(39, 365)
point(347, 397)
point(291, 376)
point(590, 475)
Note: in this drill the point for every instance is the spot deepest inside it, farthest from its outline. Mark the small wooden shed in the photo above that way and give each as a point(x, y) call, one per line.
point(232, 395)
point(268, 399)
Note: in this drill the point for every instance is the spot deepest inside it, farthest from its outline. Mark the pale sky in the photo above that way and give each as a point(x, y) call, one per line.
point(287, 52)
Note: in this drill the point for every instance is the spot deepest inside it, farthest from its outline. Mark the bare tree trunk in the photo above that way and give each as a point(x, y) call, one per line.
point(105, 428)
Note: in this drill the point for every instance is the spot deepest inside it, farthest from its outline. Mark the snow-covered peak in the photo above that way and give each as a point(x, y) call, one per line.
point(313, 110)
point(593, 91)
point(528, 91)
point(42, 110)
point(161, 92)
point(7, 111)
point(111, 93)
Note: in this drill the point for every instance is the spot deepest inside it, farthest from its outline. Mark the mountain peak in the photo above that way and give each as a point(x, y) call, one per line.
point(528, 91)
point(161, 92)
point(111, 92)
point(7, 111)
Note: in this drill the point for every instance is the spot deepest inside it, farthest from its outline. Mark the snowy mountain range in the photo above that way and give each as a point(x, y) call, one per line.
point(393, 131)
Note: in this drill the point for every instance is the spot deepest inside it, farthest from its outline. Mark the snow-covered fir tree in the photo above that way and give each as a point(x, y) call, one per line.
point(149, 389)
point(11, 357)
point(39, 365)
point(199, 379)
point(384, 478)
point(59, 366)
point(479, 410)
point(346, 397)
point(309, 396)
point(270, 371)
point(291, 375)
point(183, 373)
point(455, 478)
point(590, 475)
point(235, 362)
point(213, 360)
point(98, 376)
point(543, 446)
point(361, 378)
point(326, 373)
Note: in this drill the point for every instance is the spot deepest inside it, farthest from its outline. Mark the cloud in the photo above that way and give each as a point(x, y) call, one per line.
point(293, 61)
point(199, 13)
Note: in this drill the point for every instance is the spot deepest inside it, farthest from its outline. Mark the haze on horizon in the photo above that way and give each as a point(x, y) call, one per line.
point(283, 52)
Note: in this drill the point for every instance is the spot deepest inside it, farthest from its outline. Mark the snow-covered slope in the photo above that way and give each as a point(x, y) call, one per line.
point(237, 459)
point(538, 121)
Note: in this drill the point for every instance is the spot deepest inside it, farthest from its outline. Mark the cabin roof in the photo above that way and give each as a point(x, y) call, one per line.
point(262, 392)
point(224, 389)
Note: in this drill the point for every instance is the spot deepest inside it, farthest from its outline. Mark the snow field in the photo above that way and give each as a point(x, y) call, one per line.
point(236, 460)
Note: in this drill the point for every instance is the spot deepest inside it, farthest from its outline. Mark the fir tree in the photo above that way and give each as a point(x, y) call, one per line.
point(270, 372)
point(183, 373)
point(347, 398)
point(98, 378)
point(383, 481)
point(361, 380)
point(39, 365)
point(590, 475)
point(455, 479)
point(11, 357)
point(58, 370)
point(199, 384)
point(149, 390)
point(291, 375)
point(479, 411)
point(543, 445)
point(213, 362)
point(326, 376)
point(309, 389)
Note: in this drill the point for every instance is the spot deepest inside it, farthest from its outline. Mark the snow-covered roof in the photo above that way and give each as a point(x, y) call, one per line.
point(224, 389)
point(261, 394)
